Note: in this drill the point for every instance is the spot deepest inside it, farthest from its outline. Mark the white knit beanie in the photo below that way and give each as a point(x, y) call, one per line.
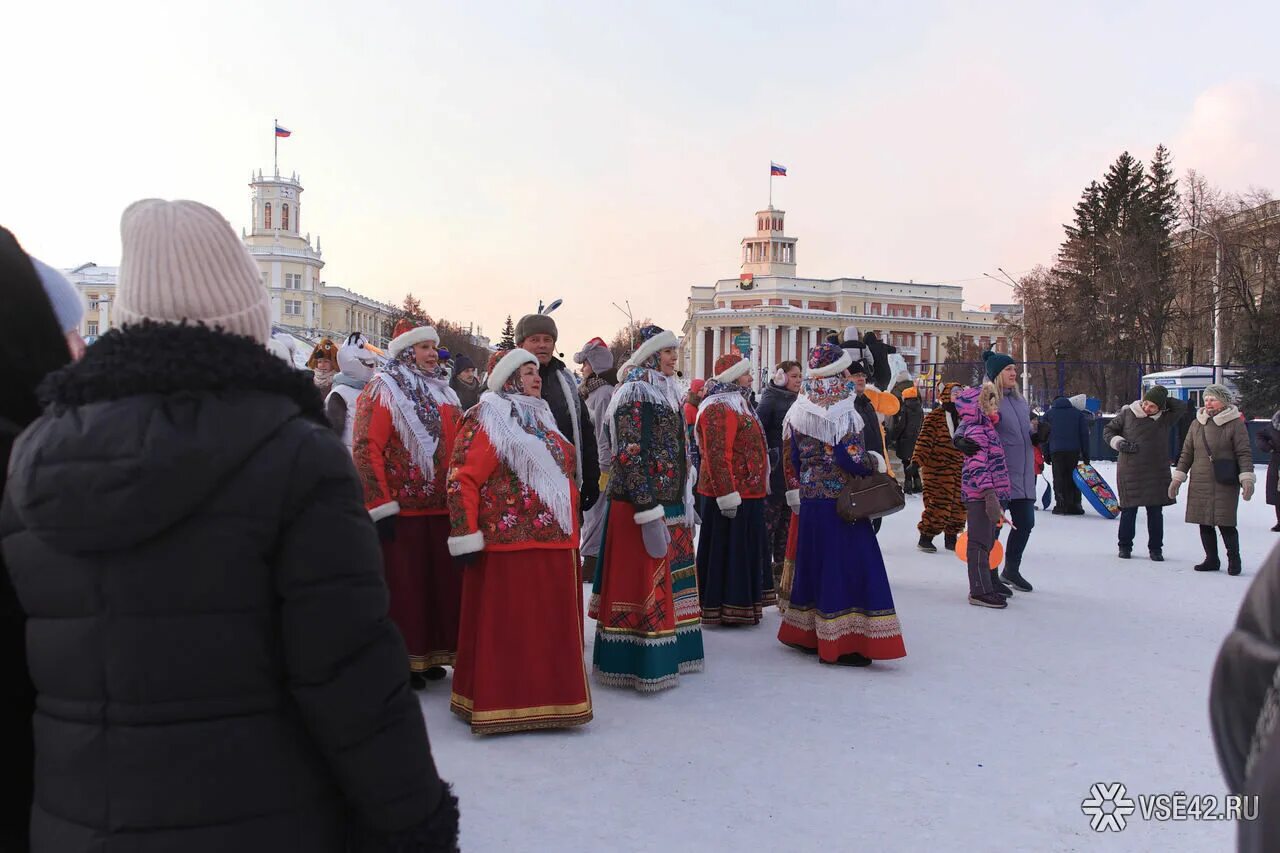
point(181, 261)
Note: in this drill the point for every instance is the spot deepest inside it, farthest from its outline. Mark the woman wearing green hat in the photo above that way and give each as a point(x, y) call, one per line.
point(1140, 434)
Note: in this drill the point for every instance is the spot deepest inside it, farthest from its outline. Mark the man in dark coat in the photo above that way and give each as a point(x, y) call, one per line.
point(31, 345)
point(538, 334)
point(779, 395)
point(207, 618)
point(1068, 444)
point(1269, 442)
point(1139, 433)
point(906, 429)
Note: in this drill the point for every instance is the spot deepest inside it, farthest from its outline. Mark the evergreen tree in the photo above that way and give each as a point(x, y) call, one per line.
point(411, 309)
point(508, 340)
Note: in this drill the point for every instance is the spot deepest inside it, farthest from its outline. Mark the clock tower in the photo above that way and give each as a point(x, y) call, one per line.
point(290, 265)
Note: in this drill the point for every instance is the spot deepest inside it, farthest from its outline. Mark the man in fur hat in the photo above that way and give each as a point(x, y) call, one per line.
point(537, 333)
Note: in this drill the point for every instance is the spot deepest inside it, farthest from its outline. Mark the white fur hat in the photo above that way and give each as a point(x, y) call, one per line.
point(507, 366)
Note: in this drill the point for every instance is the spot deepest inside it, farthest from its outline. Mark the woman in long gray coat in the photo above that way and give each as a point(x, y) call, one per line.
point(1217, 434)
point(1140, 434)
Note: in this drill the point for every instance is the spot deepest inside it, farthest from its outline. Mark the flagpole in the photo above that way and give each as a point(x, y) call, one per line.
point(275, 140)
point(771, 186)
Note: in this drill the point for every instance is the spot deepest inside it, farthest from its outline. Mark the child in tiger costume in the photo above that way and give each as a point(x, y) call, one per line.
point(940, 463)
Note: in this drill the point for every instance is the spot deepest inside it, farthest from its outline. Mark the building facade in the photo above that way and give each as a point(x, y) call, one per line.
point(779, 316)
point(302, 303)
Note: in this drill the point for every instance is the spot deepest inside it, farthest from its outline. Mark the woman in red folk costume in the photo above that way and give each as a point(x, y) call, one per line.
point(734, 581)
point(406, 421)
point(513, 509)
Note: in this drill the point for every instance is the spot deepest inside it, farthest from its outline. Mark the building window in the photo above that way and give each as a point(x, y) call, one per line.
point(284, 216)
point(266, 216)
point(293, 281)
point(91, 328)
point(293, 307)
point(93, 302)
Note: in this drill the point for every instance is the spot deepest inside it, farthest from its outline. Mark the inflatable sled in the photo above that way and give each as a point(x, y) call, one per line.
point(1096, 490)
point(962, 550)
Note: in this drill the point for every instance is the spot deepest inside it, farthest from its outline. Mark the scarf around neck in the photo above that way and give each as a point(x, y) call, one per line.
point(324, 379)
point(523, 430)
point(722, 393)
point(414, 398)
point(825, 410)
point(350, 382)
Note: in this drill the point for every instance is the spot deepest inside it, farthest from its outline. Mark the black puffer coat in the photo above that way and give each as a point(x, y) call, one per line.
point(1244, 706)
point(775, 402)
point(1269, 441)
point(208, 628)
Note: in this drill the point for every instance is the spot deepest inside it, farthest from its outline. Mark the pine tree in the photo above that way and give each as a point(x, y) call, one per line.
point(411, 309)
point(508, 335)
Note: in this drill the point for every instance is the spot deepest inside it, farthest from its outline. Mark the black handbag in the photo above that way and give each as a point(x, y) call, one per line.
point(870, 497)
point(1225, 471)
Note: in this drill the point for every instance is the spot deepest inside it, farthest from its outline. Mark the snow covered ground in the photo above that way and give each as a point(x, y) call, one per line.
point(986, 736)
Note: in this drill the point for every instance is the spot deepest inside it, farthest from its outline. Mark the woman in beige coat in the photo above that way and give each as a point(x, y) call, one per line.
point(1217, 434)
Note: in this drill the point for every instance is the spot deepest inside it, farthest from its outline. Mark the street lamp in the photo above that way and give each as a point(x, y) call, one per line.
point(1026, 366)
point(1217, 313)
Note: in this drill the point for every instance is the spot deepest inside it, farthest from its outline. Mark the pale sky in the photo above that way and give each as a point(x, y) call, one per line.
point(485, 155)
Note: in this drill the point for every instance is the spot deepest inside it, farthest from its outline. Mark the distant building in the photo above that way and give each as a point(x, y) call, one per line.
point(781, 316)
point(301, 301)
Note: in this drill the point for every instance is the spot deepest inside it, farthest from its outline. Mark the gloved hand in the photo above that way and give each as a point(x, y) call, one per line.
point(992, 505)
point(464, 560)
point(590, 494)
point(1127, 446)
point(877, 462)
point(386, 528)
point(1174, 486)
point(731, 512)
point(793, 499)
point(656, 538)
point(1246, 488)
point(965, 445)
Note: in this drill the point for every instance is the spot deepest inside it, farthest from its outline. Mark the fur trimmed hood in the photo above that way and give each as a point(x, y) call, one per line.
point(146, 429)
point(1226, 416)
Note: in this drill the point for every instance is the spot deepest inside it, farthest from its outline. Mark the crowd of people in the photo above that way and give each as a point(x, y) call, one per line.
point(320, 544)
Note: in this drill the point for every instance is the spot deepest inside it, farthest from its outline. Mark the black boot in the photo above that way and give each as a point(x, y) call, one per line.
point(949, 541)
point(1231, 537)
point(1012, 576)
point(851, 659)
point(1233, 564)
point(1001, 587)
point(926, 544)
point(417, 680)
point(1157, 556)
point(434, 673)
point(1209, 540)
point(989, 599)
point(1126, 551)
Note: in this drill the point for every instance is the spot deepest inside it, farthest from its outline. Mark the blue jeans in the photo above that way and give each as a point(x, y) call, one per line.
point(1155, 527)
point(1023, 514)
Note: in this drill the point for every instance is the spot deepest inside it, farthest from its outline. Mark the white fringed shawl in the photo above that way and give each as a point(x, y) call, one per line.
point(510, 422)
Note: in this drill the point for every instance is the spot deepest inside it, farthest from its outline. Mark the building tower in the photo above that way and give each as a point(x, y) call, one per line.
point(290, 265)
point(769, 251)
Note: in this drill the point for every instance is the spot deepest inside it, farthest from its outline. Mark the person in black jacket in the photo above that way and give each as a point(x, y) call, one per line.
point(775, 402)
point(538, 334)
point(906, 429)
point(208, 624)
point(1068, 444)
point(32, 345)
point(883, 373)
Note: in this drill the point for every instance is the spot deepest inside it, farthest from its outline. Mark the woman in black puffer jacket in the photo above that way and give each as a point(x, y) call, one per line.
point(207, 620)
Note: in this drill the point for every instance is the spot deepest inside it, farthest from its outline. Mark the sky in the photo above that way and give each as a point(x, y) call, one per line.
point(488, 155)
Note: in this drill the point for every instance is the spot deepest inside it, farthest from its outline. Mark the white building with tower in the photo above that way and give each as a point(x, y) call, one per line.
point(781, 316)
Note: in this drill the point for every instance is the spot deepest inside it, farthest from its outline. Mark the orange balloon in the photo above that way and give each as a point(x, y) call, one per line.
point(962, 550)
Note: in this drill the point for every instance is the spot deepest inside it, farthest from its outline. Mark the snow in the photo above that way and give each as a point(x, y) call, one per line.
point(986, 736)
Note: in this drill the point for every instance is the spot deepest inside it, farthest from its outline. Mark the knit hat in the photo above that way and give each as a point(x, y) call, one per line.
point(1157, 394)
point(505, 364)
point(1080, 401)
point(406, 335)
point(654, 339)
point(325, 349)
point(595, 352)
point(730, 366)
point(461, 363)
point(1220, 392)
point(536, 324)
point(995, 362)
point(181, 261)
point(68, 304)
point(828, 360)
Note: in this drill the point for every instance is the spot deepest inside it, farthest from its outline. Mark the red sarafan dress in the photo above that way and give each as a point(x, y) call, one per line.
point(514, 503)
point(401, 448)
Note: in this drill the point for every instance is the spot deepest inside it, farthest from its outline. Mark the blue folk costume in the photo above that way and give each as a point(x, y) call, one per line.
point(648, 623)
point(837, 602)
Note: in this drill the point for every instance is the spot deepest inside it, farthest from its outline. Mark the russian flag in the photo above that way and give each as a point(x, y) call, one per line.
point(283, 133)
point(776, 170)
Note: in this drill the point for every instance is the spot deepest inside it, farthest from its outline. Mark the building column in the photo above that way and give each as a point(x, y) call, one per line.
point(790, 338)
point(696, 367)
point(104, 313)
point(755, 356)
point(716, 341)
point(771, 347)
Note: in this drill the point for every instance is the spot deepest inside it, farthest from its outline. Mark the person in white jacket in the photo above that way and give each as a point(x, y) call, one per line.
point(596, 388)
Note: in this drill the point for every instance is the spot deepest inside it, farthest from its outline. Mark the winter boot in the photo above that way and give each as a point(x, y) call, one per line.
point(1000, 586)
point(949, 541)
point(989, 599)
point(434, 673)
point(926, 544)
point(589, 569)
point(1210, 564)
point(851, 659)
point(1233, 564)
point(1126, 552)
point(1276, 529)
point(1209, 539)
point(1014, 578)
point(417, 680)
point(1157, 556)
